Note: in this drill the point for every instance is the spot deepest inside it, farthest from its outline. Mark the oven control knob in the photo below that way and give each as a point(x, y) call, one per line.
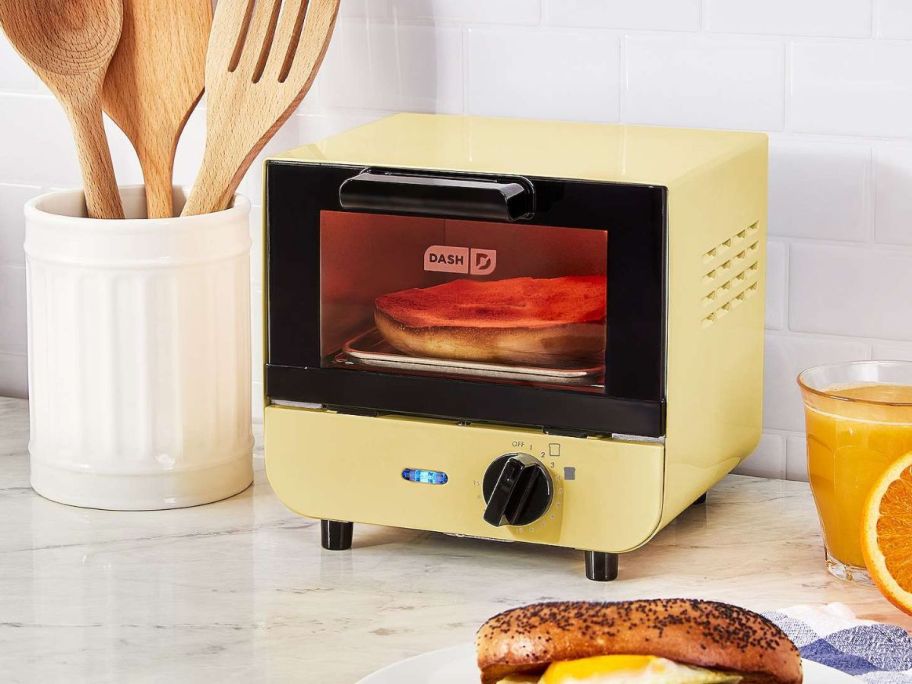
point(517, 490)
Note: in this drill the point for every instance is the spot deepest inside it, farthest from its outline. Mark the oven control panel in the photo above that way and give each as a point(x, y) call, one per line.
point(488, 481)
point(517, 490)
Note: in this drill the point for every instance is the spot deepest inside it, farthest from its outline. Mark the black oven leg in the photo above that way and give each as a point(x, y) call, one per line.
point(336, 535)
point(601, 566)
point(700, 500)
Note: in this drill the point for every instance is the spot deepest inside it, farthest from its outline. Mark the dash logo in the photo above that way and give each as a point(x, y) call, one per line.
point(448, 259)
point(484, 261)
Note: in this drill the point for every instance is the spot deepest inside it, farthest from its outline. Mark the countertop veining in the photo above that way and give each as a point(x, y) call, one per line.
point(240, 590)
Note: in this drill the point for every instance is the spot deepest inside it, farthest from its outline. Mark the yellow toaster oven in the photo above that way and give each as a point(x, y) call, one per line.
point(517, 330)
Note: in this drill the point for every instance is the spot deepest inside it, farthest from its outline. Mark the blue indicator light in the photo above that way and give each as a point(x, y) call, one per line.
point(422, 476)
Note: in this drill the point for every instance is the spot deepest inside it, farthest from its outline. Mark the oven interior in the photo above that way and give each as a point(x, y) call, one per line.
point(487, 301)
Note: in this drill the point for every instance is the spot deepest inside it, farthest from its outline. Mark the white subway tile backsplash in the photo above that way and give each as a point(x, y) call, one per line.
point(776, 285)
point(256, 249)
point(554, 74)
point(820, 190)
point(852, 88)
point(256, 330)
point(126, 163)
point(36, 146)
point(256, 401)
point(788, 355)
point(432, 11)
point(190, 148)
point(704, 82)
point(893, 18)
point(13, 375)
point(893, 351)
point(796, 466)
point(368, 9)
point(12, 222)
point(314, 101)
point(893, 197)
point(807, 17)
point(850, 291)
point(314, 127)
point(12, 310)
point(394, 67)
point(468, 11)
point(768, 459)
point(654, 15)
point(15, 75)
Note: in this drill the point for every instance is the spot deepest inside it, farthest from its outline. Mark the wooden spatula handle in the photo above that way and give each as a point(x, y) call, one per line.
point(100, 185)
point(157, 165)
point(159, 200)
point(215, 184)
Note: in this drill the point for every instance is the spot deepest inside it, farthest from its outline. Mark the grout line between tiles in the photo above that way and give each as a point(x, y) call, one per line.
point(787, 86)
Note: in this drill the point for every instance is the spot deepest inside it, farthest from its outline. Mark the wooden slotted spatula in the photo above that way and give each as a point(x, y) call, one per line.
point(263, 56)
point(153, 83)
point(69, 44)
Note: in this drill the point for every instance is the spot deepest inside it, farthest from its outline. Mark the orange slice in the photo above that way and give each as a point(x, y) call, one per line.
point(886, 534)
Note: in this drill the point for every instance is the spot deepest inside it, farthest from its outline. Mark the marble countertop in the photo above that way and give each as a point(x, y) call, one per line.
point(241, 591)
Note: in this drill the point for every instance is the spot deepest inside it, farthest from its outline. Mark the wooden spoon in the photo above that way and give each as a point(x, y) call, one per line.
point(69, 44)
point(153, 83)
point(263, 57)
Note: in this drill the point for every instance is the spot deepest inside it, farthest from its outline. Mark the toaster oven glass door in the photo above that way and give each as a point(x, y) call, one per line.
point(516, 300)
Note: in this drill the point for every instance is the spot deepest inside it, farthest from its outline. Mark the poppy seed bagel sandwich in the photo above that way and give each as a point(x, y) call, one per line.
point(529, 321)
point(656, 641)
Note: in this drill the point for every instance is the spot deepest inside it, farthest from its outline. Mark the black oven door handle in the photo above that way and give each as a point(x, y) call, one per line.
point(469, 198)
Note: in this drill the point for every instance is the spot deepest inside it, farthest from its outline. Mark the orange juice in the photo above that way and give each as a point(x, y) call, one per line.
point(853, 433)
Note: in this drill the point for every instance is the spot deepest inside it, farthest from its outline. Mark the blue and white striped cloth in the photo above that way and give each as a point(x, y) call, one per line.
point(832, 635)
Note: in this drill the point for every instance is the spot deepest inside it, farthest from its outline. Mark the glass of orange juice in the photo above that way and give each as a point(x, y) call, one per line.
point(859, 420)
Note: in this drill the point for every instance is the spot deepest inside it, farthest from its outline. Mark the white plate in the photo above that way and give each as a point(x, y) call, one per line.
point(456, 665)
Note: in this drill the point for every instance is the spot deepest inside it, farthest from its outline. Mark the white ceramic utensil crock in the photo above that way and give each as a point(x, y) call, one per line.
point(139, 354)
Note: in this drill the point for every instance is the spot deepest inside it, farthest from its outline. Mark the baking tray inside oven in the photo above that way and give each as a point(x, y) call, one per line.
point(371, 349)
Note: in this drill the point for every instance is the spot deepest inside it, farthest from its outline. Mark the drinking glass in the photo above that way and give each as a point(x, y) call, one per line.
point(859, 421)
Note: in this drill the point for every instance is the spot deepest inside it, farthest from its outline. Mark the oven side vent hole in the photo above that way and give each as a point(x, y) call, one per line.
point(731, 274)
